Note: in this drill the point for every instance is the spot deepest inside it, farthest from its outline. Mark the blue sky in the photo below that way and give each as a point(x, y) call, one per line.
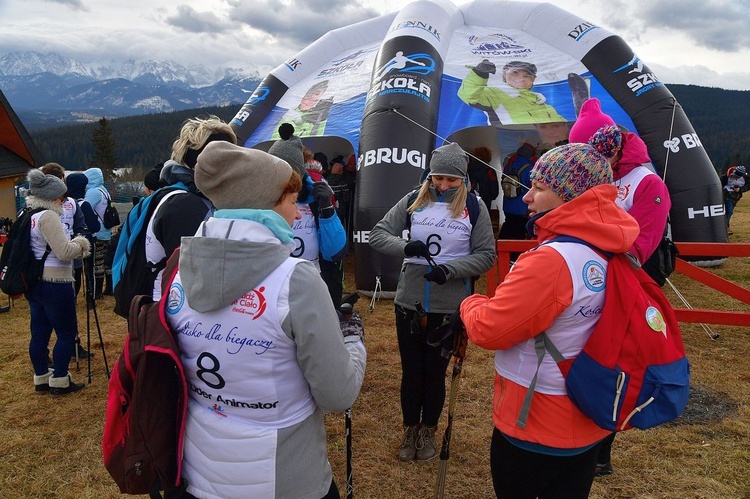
point(701, 42)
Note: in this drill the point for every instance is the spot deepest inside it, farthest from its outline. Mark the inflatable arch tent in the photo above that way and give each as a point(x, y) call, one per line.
point(392, 88)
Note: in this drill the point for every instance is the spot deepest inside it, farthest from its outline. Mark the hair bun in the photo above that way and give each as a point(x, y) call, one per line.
point(607, 141)
point(286, 130)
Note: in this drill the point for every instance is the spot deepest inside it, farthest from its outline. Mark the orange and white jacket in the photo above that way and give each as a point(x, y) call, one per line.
point(542, 294)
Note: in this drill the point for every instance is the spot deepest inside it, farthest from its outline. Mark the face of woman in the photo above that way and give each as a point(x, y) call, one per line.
point(287, 208)
point(442, 183)
point(541, 198)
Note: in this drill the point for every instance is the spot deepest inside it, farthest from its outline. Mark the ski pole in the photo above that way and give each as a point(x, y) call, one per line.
point(346, 310)
point(459, 352)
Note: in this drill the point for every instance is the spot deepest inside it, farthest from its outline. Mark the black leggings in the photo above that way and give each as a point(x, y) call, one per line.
point(422, 370)
point(522, 474)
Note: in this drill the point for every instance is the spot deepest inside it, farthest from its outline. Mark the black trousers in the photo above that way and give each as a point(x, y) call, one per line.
point(422, 370)
point(522, 474)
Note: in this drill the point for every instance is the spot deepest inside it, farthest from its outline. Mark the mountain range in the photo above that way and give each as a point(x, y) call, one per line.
point(48, 90)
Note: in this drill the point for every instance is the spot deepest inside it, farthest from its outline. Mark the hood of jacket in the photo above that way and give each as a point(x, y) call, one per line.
point(594, 217)
point(634, 154)
point(35, 202)
point(231, 259)
point(96, 178)
point(173, 172)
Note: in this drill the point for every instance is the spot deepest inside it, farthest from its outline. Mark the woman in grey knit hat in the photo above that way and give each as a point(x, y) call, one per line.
point(451, 240)
point(52, 300)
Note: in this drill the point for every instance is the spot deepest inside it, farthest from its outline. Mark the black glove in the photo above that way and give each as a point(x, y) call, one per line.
point(437, 275)
point(484, 68)
point(322, 194)
point(352, 327)
point(416, 248)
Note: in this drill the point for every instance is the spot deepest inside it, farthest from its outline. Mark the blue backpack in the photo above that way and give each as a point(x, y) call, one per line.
point(130, 256)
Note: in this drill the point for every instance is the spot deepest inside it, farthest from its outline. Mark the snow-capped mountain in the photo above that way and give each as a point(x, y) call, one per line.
point(40, 84)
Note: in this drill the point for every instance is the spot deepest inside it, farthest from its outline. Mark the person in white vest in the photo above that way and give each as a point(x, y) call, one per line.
point(52, 303)
point(263, 348)
point(446, 249)
point(558, 288)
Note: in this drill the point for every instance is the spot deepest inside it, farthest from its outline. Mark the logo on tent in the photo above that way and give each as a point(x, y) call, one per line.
point(418, 25)
point(643, 82)
point(421, 64)
point(496, 44)
point(580, 31)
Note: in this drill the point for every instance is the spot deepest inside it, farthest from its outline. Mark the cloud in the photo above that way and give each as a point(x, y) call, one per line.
point(299, 22)
point(716, 24)
point(73, 4)
point(192, 21)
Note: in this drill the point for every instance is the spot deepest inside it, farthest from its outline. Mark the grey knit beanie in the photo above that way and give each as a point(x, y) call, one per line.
point(289, 148)
point(46, 187)
point(449, 160)
point(234, 177)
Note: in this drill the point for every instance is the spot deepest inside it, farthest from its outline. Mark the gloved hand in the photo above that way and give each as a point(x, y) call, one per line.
point(352, 327)
point(322, 194)
point(540, 98)
point(437, 275)
point(416, 248)
point(484, 68)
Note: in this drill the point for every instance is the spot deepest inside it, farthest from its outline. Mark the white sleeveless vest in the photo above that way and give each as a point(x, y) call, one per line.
point(238, 361)
point(447, 238)
point(39, 245)
point(569, 331)
point(154, 250)
point(306, 244)
point(68, 215)
point(628, 184)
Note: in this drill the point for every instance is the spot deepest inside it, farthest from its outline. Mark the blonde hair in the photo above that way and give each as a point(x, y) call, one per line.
point(195, 133)
point(423, 199)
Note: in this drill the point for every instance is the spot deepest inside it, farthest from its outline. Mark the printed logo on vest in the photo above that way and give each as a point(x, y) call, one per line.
point(252, 303)
point(594, 276)
point(175, 299)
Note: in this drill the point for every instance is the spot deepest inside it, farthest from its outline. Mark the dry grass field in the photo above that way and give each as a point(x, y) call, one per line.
point(51, 447)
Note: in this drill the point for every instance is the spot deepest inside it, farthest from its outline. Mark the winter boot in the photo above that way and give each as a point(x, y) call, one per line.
point(41, 383)
point(108, 286)
point(98, 288)
point(426, 443)
point(407, 451)
point(63, 385)
point(83, 354)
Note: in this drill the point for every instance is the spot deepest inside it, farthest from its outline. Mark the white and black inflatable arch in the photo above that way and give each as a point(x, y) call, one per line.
point(416, 92)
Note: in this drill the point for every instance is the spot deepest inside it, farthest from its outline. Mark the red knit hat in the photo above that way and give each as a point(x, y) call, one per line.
point(590, 119)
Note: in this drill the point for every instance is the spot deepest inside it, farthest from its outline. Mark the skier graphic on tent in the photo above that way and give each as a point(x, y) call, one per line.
point(310, 116)
point(399, 61)
point(525, 107)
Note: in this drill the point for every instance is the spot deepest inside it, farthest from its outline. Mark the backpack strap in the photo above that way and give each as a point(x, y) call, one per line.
point(543, 343)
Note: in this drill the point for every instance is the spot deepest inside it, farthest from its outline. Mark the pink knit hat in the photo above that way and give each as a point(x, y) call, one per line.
point(590, 119)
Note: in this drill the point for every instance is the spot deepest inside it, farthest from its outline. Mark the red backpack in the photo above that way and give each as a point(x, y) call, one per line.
point(147, 401)
point(632, 372)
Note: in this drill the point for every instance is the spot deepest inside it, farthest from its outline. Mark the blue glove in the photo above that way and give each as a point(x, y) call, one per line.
point(437, 275)
point(416, 248)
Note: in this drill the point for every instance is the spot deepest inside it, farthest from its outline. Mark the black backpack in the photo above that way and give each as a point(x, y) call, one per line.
point(111, 215)
point(19, 269)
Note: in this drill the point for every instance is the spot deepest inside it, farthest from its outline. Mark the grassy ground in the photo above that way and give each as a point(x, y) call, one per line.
point(51, 448)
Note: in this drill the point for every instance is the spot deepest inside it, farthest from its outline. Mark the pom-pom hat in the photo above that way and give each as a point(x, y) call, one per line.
point(572, 169)
point(590, 119)
point(46, 187)
point(289, 148)
point(235, 177)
